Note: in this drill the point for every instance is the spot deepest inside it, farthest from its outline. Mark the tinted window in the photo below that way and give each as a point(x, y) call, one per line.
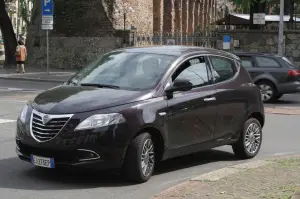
point(132, 71)
point(266, 62)
point(246, 61)
point(224, 68)
point(195, 70)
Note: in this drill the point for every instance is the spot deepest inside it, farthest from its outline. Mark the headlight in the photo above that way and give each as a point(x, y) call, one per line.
point(23, 114)
point(100, 120)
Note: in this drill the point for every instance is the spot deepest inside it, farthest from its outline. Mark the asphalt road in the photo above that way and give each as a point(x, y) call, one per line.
point(20, 180)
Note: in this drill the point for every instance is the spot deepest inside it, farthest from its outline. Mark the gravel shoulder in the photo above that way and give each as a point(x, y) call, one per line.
point(278, 178)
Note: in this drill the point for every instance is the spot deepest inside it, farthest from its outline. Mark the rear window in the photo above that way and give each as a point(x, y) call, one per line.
point(289, 62)
point(266, 62)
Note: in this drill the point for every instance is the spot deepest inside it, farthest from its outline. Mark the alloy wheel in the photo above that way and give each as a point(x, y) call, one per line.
point(252, 138)
point(266, 92)
point(148, 157)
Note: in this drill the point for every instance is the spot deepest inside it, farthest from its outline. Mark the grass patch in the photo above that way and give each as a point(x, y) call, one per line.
point(290, 162)
point(285, 192)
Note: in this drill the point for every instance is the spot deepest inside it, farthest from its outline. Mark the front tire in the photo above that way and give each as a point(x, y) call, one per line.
point(140, 159)
point(250, 140)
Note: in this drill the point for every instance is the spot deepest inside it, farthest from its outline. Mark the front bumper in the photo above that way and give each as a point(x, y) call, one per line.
point(98, 148)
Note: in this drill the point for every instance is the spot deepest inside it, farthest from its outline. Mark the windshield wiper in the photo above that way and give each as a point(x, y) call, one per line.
point(100, 85)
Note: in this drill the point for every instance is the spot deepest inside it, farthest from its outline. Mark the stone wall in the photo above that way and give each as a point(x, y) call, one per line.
point(264, 42)
point(141, 15)
point(84, 29)
point(72, 52)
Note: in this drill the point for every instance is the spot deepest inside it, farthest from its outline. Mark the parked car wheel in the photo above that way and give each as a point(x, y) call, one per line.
point(268, 91)
point(140, 159)
point(250, 141)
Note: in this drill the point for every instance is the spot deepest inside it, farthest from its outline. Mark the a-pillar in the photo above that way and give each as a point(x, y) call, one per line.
point(158, 21)
point(168, 22)
point(185, 19)
point(178, 21)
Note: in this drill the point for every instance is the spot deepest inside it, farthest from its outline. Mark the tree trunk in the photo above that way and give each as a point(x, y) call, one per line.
point(9, 37)
point(291, 13)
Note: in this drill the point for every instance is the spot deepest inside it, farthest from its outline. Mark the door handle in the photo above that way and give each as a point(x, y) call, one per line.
point(209, 99)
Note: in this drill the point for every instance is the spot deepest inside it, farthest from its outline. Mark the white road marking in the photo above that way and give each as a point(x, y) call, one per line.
point(3, 121)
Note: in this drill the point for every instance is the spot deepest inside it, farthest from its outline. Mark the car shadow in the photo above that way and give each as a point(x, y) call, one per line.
point(17, 174)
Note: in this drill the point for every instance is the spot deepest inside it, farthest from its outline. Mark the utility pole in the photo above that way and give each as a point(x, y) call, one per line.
point(281, 28)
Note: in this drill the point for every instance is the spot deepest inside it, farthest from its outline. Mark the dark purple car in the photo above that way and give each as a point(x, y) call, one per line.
point(133, 107)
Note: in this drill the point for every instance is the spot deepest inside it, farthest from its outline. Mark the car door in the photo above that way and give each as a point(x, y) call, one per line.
point(192, 114)
point(230, 95)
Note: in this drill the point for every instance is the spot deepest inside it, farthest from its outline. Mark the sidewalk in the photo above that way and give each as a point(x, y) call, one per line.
point(271, 178)
point(37, 74)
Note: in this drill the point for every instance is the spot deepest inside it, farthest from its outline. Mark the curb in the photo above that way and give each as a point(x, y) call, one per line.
point(33, 79)
point(283, 110)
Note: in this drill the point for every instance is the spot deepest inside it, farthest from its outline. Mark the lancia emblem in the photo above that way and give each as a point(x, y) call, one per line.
point(46, 119)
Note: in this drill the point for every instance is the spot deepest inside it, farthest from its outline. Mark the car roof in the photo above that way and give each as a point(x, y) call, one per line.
point(256, 54)
point(177, 50)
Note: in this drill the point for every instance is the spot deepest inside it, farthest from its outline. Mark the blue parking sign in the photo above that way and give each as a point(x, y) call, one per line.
point(47, 7)
point(226, 38)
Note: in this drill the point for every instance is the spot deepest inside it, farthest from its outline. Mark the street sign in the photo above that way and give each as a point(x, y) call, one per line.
point(47, 27)
point(47, 20)
point(259, 18)
point(47, 7)
point(226, 42)
point(47, 14)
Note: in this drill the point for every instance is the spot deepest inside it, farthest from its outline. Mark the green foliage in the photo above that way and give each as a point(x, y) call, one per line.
point(24, 11)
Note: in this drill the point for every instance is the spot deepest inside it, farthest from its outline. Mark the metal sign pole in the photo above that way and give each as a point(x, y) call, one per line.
point(47, 33)
point(47, 24)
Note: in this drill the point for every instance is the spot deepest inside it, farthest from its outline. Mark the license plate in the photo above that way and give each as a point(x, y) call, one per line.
point(42, 161)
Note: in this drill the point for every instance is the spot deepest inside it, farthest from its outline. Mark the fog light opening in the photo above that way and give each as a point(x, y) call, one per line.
point(86, 155)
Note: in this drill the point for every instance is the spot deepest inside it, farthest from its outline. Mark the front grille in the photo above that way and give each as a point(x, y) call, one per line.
point(43, 130)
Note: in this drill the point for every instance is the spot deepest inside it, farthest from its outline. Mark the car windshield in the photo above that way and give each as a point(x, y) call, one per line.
point(124, 70)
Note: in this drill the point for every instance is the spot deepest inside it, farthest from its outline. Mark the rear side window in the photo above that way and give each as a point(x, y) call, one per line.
point(266, 62)
point(223, 68)
point(246, 61)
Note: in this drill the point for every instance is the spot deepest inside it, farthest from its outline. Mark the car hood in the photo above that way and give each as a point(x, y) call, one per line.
point(76, 99)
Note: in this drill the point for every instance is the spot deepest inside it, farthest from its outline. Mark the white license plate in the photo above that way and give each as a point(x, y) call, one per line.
point(42, 161)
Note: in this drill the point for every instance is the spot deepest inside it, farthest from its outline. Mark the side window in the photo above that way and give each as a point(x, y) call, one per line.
point(266, 62)
point(246, 61)
point(195, 70)
point(223, 68)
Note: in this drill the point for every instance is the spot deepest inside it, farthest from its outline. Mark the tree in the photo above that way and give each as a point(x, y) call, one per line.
point(8, 34)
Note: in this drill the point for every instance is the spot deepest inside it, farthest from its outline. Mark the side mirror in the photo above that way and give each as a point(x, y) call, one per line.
point(179, 85)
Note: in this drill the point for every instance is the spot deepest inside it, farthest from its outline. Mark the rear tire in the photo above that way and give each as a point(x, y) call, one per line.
point(140, 159)
point(268, 91)
point(250, 140)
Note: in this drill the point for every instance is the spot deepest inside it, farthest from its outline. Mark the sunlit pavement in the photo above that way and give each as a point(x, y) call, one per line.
point(20, 180)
